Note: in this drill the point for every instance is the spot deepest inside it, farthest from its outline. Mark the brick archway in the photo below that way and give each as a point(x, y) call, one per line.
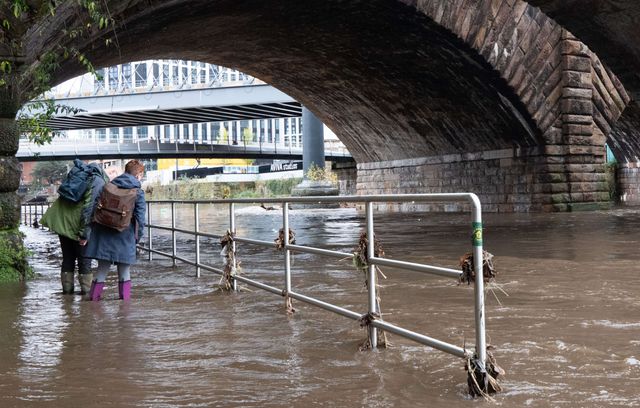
point(429, 82)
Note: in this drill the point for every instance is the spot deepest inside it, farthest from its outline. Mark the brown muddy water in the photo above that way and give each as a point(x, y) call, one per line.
point(568, 333)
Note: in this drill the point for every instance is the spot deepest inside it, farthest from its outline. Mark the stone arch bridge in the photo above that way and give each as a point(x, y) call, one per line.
point(513, 100)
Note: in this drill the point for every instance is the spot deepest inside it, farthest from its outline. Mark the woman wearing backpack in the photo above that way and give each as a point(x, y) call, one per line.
point(69, 217)
point(116, 244)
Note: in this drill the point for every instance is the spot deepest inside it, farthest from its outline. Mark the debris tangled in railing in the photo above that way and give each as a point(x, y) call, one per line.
point(231, 266)
point(483, 384)
point(468, 272)
point(361, 263)
point(280, 240)
point(280, 245)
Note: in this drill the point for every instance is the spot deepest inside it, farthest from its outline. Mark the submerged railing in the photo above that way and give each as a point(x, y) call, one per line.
point(374, 321)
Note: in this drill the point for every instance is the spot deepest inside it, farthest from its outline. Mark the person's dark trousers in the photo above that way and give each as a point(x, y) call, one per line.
point(72, 253)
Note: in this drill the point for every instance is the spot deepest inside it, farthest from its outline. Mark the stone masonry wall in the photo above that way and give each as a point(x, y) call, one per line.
point(629, 183)
point(347, 178)
point(503, 179)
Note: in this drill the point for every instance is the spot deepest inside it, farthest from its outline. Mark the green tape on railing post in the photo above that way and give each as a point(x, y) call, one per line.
point(477, 234)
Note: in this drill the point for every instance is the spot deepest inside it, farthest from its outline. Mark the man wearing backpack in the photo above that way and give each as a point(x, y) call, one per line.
point(69, 217)
point(118, 225)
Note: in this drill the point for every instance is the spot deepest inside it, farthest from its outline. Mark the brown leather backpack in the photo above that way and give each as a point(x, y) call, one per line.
point(115, 207)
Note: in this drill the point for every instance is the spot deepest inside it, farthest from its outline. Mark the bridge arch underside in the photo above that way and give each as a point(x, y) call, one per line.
point(429, 96)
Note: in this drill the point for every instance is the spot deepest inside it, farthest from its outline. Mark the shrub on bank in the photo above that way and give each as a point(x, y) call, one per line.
point(187, 189)
point(13, 257)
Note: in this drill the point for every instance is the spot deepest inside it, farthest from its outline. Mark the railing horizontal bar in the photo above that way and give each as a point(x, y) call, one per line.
point(327, 306)
point(211, 269)
point(438, 197)
point(182, 231)
point(434, 270)
point(155, 251)
point(206, 234)
point(269, 244)
point(160, 227)
point(202, 234)
point(185, 260)
point(258, 285)
point(422, 339)
point(319, 251)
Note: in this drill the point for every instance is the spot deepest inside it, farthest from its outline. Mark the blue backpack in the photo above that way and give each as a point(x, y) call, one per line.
point(76, 182)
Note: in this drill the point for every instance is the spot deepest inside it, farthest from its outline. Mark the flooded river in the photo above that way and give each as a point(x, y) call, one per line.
point(564, 321)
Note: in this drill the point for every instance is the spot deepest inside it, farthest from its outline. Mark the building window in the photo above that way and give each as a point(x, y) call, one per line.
point(113, 78)
point(100, 80)
point(127, 136)
point(165, 74)
point(114, 135)
point(142, 132)
point(126, 76)
point(141, 75)
point(175, 79)
point(185, 133)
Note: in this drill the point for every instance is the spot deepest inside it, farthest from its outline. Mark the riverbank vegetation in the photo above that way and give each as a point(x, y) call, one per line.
point(188, 189)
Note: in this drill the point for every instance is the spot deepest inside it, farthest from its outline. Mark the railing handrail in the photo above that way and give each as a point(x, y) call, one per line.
point(402, 198)
point(368, 200)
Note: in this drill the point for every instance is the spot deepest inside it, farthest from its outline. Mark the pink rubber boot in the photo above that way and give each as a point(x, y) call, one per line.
point(124, 290)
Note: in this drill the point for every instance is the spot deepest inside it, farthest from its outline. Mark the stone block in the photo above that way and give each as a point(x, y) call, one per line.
point(575, 47)
point(576, 106)
point(9, 174)
point(9, 210)
point(577, 93)
point(575, 79)
point(577, 63)
point(9, 137)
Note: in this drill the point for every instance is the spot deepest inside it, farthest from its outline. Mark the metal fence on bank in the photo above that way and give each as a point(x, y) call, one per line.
point(372, 316)
point(30, 213)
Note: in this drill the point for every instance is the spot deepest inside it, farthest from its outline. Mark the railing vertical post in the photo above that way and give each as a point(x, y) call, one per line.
point(481, 347)
point(287, 253)
point(149, 231)
point(30, 215)
point(196, 215)
point(371, 272)
point(174, 249)
point(232, 230)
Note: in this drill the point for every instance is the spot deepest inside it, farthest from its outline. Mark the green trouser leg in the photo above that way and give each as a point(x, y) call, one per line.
point(67, 282)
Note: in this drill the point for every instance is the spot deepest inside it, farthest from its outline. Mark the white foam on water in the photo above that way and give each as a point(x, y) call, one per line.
point(608, 323)
point(632, 361)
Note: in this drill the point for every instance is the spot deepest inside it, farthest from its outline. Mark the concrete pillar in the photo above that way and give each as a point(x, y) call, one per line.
point(313, 153)
point(312, 141)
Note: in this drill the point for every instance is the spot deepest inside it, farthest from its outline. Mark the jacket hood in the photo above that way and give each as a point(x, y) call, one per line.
point(126, 180)
point(97, 170)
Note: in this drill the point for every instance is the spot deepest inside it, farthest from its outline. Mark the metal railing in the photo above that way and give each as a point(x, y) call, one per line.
point(31, 213)
point(374, 321)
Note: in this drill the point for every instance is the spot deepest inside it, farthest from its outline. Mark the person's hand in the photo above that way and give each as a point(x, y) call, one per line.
point(82, 242)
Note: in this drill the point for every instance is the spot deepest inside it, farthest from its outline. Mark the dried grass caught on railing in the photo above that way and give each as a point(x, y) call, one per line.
point(484, 384)
point(468, 270)
point(231, 266)
point(361, 263)
point(280, 245)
